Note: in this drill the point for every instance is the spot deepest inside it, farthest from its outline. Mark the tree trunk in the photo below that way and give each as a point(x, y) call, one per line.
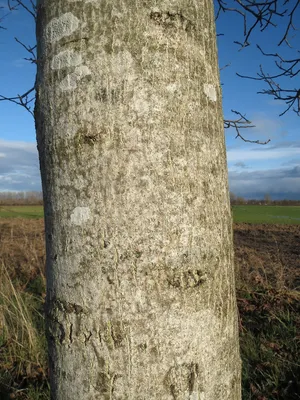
point(140, 277)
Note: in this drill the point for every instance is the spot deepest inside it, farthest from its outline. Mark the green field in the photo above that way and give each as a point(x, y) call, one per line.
point(267, 214)
point(250, 214)
point(34, 212)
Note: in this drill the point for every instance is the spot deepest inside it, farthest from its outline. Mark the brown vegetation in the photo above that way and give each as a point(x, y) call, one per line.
point(268, 254)
point(23, 365)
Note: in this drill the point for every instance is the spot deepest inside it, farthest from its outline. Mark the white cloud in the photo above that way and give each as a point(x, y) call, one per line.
point(19, 63)
point(273, 169)
point(279, 183)
point(262, 153)
point(267, 127)
point(19, 166)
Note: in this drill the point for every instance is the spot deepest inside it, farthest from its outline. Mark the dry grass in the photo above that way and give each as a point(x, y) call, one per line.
point(22, 249)
point(17, 324)
point(22, 286)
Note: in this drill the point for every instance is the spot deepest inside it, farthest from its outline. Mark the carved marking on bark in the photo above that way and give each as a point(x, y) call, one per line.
point(65, 322)
point(171, 19)
point(61, 27)
point(114, 335)
point(87, 337)
point(106, 384)
point(183, 382)
point(67, 308)
point(80, 215)
point(190, 278)
point(210, 91)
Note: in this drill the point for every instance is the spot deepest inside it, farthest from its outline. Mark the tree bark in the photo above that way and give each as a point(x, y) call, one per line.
point(140, 276)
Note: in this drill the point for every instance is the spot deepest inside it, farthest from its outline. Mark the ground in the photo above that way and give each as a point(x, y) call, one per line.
point(267, 259)
point(268, 253)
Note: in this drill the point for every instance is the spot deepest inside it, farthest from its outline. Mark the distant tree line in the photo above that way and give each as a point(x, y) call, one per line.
point(36, 198)
point(21, 198)
point(267, 200)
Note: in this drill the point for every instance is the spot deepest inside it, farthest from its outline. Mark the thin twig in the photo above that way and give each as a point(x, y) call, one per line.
point(241, 123)
point(21, 4)
point(23, 100)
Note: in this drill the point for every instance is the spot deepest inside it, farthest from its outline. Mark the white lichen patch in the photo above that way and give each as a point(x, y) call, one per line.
point(66, 59)
point(140, 104)
point(122, 64)
point(145, 103)
point(210, 91)
point(61, 27)
point(193, 396)
point(119, 67)
point(71, 80)
point(172, 87)
point(80, 215)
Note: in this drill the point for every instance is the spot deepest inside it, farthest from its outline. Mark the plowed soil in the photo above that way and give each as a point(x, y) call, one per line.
point(269, 254)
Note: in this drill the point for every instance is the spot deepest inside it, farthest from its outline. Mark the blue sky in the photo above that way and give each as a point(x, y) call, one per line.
point(253, 170)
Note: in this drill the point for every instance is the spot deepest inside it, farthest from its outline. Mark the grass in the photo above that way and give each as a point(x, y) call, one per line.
point(269, 322)
point(267, 214)
point(245, 213)
point(22, 340)
point(23, 358)
point(21, 336)
point(32, 212)
point(269, 344)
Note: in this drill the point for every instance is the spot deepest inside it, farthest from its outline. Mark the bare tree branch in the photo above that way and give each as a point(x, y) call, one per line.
point(287, 68)
point(241, 123)
point(5, 15)
point(20, 3)
point(225, 66)
point(254, 14)
point(24, 100)
point(261, 14)
point(30, 49)
point(290, 24)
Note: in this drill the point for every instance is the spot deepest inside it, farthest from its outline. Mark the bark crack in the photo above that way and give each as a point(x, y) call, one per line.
point(71, 333)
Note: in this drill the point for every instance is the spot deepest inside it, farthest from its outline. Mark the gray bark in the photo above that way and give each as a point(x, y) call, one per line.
point(140, 276)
